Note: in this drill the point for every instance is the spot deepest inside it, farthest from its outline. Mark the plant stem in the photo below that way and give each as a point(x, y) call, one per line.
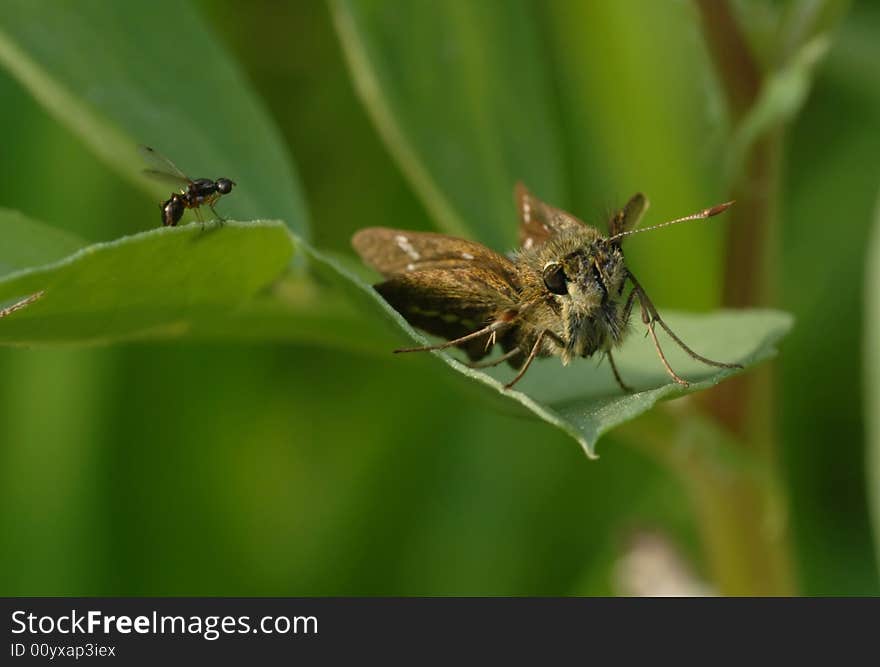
point(741, 510)
point(738, 504)
point(734, 64)
point(744, 405)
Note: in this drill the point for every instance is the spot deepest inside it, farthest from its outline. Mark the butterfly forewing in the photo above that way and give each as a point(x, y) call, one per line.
point(446, 286)
point(393, 251)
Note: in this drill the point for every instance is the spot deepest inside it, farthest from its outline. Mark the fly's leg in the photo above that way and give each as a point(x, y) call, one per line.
point(220, 218)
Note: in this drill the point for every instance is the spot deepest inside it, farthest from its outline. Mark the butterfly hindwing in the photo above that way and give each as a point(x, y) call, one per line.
point(538, 220)
point(629, 217)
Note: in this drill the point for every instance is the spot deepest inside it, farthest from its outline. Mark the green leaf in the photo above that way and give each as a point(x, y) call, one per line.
point(30, 243)
point(326, 305)
point(801, 22)
point(232, 282)
point(872, 374)
point(155, 284)
point(783, 93)
point(799, 45)
point(471, 96)
point(583, 400)
point(465, 118)
point(156, 76)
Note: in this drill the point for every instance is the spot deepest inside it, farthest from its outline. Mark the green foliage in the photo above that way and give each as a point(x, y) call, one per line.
point(27, 243)
point(186, 281)
point(196, 281)
point(191, 98)
point(155, 284)
point(585, 401)
point(325, 464)
point(589, 403)
point(465, 122)
point(829, 202)
point(872, 373)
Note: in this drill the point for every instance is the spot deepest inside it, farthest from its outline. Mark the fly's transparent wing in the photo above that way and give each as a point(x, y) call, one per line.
point(161, 168)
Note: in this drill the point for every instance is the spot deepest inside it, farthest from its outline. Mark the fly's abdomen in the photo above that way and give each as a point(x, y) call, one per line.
point(172, 211)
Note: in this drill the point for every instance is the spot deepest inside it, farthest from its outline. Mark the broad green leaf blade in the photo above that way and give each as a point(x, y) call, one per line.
point(230, 281)
point(29, 243)
point(155, 284)
point(119, 73)
point(872, 375)
point(590, 401)
point(583, 399)
point(214, 283)
point(461, 93)
point(314, 308)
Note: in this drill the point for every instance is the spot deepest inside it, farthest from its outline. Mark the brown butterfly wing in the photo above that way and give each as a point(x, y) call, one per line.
point(538, 220)
point(446, 286)
point(441, 284)
point(452, 303)
point(393, 251)
point(629, 217)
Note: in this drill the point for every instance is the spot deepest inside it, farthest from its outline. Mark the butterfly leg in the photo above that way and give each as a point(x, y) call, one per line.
point(617, 377)
point(655, 317)
point(694, 355)
point(494, 362)
point(21, 304)
point(646, 318)
point(534, 353)
point(491, 328)
point(627, 309)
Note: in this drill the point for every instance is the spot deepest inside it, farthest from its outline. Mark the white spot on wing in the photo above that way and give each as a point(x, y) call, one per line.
point(410, 267)
point(407, 247)
point(466, 255)
point(528, 243)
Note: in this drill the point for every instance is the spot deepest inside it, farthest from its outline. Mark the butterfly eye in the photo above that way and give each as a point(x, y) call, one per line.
point(555, 279)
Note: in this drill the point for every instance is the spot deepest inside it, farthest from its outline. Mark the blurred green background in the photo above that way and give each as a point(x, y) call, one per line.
point(234, 469)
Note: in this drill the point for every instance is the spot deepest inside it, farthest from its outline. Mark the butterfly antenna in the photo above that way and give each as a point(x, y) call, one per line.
point(701, 215)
